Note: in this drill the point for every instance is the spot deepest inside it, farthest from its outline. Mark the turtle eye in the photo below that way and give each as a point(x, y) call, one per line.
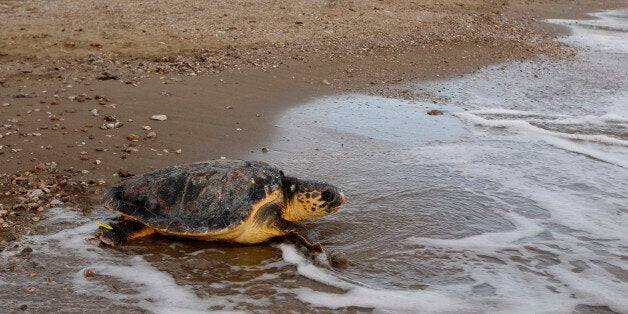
point(327, 196)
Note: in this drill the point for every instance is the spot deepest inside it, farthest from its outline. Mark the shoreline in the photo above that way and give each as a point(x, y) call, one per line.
point(57, 151)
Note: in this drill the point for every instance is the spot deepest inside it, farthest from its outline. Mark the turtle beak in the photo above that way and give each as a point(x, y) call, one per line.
point(336, 203)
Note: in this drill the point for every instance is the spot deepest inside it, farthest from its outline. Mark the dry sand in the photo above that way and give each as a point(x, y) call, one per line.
point(80, 80)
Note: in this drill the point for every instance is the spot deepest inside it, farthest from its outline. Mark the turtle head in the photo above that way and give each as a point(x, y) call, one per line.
point(309, 199)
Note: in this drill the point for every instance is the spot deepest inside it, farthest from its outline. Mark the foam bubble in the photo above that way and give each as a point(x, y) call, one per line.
point(615, 159)
point(521, 125)
point(165, 295)
point(410, 301)
point(524, 228)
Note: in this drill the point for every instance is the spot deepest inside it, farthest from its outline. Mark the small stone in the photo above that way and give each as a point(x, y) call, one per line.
point(110, 118)
point(434, 112)
point(325, 82)
point(88, 272)
point(97, 162)
point(264, 150)
point(94, 112)
point(178, 151)
point(159, 117)
point(35, 194)
point(338, 259)
point(6, 104)
point(151, 134)
point(122, 173)
point(133, 138)
point(146, 128)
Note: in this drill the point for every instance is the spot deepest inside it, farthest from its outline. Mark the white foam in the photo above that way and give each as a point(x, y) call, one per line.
point(524, 228)
point(155, 291)
point(407, 301)
point(165, 295)
point(552, 117)
point(524, 126)
point(615, 159)
point(606, 33)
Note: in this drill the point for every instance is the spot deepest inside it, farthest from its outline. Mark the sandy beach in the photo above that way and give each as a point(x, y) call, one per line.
point(93, 92)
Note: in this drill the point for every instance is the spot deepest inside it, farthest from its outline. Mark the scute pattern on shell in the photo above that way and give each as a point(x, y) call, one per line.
point(195, 198)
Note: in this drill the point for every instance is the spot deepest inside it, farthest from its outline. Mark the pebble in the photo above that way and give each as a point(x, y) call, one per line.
point(6, 104)
point(94, 112)
point(178, 151)
point(339, 259)
point(88, 272)
point(434, 112)
point(151, 134)
point(146, 128)
point(35, 194)
point(325, 82)
point(122, 173)
point(133, 138)
point(110, 118)
point(159, 117)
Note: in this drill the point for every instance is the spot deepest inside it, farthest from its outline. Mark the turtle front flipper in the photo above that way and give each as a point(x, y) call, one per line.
point(122, 231)
point(313, 247)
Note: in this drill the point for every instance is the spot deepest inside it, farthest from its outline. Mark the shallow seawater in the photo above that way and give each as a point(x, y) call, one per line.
point(514, 201)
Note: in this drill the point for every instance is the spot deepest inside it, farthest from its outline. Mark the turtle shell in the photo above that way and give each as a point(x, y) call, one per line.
point(197, 198)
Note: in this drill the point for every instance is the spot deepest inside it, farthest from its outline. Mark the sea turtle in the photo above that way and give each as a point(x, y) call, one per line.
point(224, 200)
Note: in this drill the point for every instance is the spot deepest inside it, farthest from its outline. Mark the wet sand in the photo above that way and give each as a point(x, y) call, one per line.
point(80, 82)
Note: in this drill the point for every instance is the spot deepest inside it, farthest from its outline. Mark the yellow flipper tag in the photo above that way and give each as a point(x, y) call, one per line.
point(104, 225)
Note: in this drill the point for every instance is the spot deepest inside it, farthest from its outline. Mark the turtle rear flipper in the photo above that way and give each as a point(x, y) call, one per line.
point(122, 231)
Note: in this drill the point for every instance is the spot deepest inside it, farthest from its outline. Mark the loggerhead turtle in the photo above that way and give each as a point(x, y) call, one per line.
point(224, 200)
